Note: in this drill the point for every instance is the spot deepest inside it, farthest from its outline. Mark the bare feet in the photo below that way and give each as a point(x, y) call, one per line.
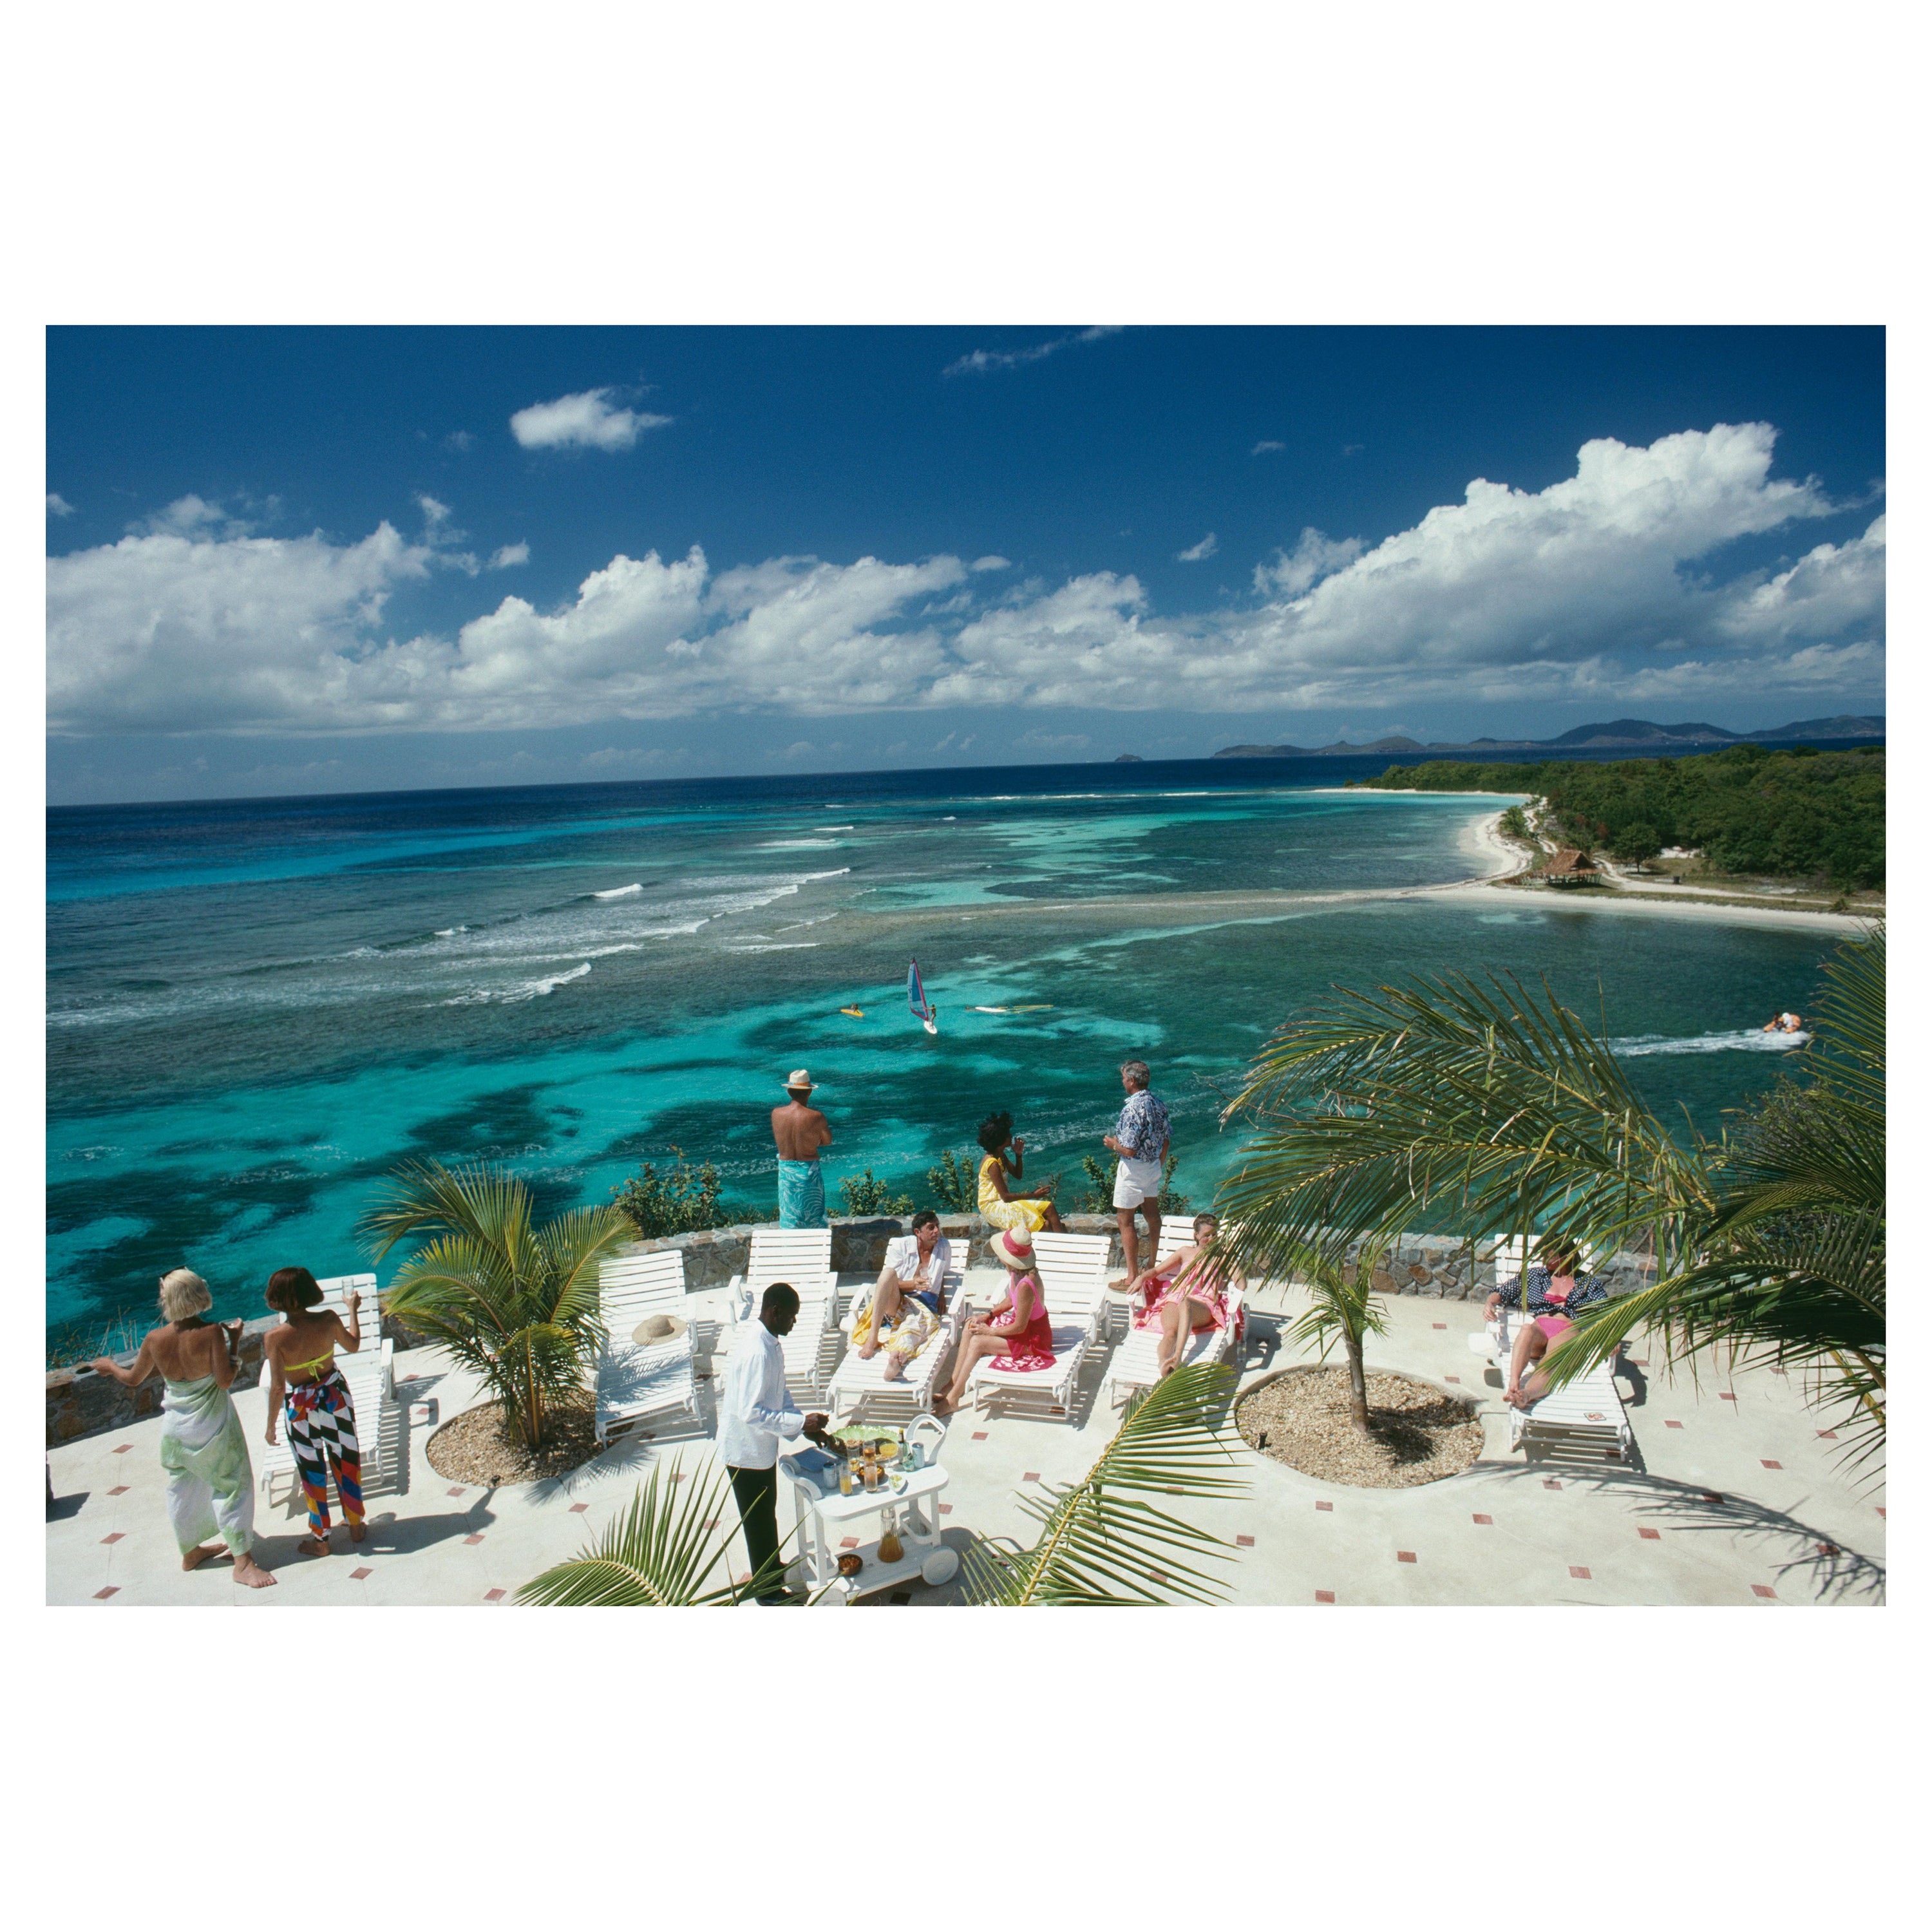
point(195, 1559)
point(944, 1404)
point(251, 1575)
point(314, 1546)
point(870, 1349)
point(894, 1369)
point(1520, 1398)
point(1121, 1286)
point(357, 1532)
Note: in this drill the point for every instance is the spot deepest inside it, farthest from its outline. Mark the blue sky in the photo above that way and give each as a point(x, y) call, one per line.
point(321, 559)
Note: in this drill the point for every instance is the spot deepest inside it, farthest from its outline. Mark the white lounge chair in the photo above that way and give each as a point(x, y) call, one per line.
point(801, 1256)
point(634, 1380)
point(369, 1374)
point(1073, 1277)
point(1135, 1365)
point(1584, 1416)
point(861, 1387)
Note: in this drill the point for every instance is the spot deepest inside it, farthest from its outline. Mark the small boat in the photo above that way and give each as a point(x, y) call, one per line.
point(1047, 1007)
point(853, 1012)
point(923, 1010)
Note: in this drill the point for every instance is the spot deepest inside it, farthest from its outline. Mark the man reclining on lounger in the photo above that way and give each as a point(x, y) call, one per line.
point(909, 1298)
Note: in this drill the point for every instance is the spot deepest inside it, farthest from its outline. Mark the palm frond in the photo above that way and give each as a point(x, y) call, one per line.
point(658, 1554)
point(1099, 1543)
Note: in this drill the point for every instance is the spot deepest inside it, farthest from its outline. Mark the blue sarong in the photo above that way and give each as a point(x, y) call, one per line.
point(801, 1195)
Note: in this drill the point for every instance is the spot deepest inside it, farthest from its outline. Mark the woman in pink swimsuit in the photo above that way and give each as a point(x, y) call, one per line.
point(1184, 1292)
point(1535, 1338)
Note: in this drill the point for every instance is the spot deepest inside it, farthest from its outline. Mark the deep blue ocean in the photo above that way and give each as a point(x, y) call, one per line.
point(257, 1009)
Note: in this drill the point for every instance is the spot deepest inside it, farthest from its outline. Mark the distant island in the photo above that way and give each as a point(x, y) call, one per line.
point(1135, 758)
point(1618, 734)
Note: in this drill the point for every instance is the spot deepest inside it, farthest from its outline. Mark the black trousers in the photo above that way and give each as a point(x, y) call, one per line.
point(756, 1493)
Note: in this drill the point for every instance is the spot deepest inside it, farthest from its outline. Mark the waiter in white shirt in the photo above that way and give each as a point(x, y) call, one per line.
point(756, 1411)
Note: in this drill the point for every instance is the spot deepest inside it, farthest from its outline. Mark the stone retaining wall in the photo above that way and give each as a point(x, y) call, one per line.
point(84, 1404)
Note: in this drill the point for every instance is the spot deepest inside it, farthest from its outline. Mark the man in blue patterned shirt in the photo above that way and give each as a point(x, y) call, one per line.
point(1140, 1138)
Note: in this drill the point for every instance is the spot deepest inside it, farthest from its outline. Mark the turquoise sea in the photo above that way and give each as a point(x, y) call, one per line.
point(255, 1008)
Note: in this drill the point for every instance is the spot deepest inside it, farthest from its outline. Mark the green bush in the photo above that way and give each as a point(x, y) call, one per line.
point(1514, 825)
point(120, 1334)
point(681, 1201)
point(865, 1195)
point(954, 1183)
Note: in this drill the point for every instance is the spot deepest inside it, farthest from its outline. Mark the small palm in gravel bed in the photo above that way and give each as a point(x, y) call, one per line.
point(516, 1304)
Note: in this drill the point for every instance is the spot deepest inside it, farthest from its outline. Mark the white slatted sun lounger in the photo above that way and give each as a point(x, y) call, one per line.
point(859, 1388)
point(635, 1380)
point(1135, 1365)
point(801, 1256)
point(370, 1376)
point(1585, 1416)
point(1073, 1277)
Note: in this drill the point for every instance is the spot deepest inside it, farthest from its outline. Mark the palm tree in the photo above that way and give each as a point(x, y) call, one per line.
point(1343, 1307)
point(1498, 1107)
point(1099, 1543)
point(515, 1303)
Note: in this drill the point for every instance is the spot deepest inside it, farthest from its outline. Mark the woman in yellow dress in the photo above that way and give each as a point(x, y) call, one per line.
point(998, 1203)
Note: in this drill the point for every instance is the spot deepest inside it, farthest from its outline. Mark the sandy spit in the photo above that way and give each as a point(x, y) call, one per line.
point(1592, 900)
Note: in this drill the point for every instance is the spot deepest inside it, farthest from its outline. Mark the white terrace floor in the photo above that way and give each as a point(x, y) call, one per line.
point(1735, 1500)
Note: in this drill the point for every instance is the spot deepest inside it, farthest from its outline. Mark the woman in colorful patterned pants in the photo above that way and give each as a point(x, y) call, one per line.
point(306, 1387)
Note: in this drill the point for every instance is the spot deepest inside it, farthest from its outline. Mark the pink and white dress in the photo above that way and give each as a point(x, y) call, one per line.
point(1032, 1348)
point(1159, 1292)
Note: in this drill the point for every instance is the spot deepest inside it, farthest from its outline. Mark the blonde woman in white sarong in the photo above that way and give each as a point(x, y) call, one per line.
point(204, 1448)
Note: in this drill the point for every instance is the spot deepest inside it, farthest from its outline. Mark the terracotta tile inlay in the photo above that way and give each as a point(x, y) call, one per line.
point(1651, 1535)
point(1673, 1425)
point(946, 1509)
point(477, 1538)
point(115, 1537)
point(848, 1543)
point(1487, 1522)
point(1244, 1542)
point(1031, 1476)
point(493, 1596)
point(1762, 1590)
point(356, 1576)
point(1551, 1483)
point(1325, 1596)
point(122, 1448)
point(1452, 1378)
point(1405, 1556)
point(1724, 1395)
point(577, 1509)
point(118, 1490)
point(1439, 1324)
point(1577, 1569)
point(1324, 1506)
point(112, 1590)
point(978, 1435)
point(1828, 1435)
point(1770, 1465)
point(456, 1492)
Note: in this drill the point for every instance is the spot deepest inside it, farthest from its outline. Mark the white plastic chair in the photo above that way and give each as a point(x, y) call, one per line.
point(861, 1387)
point(801, 1256)
point(1135, 1366)
point(633, 1379)
point(1073, 1278)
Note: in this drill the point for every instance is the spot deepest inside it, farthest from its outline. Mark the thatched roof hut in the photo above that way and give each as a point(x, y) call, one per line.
point(1570, 867)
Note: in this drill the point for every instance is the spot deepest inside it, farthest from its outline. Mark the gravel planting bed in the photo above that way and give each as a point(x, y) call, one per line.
point(1418, 1433)
point(479, 1447)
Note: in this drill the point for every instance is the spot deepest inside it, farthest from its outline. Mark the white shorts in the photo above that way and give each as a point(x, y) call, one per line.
point(1137, 1181)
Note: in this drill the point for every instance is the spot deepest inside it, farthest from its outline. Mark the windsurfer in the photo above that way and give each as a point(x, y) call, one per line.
point(800, 1130)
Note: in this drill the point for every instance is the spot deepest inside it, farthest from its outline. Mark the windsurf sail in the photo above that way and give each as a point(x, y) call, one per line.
point(923, 1009)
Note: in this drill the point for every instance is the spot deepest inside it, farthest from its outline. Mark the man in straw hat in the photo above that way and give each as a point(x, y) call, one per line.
point(204, 1448)
point(800, 1130)
point(755, 1410)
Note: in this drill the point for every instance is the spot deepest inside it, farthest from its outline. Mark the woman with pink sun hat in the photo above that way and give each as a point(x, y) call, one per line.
point(1018, 1334)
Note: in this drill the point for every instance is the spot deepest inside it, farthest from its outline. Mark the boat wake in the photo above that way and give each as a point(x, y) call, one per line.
point(1747, 1039)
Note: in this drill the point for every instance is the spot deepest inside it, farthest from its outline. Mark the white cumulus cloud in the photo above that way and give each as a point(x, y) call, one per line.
point(58, 505)
point(1198, 552)
point(587, 421)
point(983, 362)
point(1606, 585)
point(1262, 448)
point(509, 555)
point(991, 563)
